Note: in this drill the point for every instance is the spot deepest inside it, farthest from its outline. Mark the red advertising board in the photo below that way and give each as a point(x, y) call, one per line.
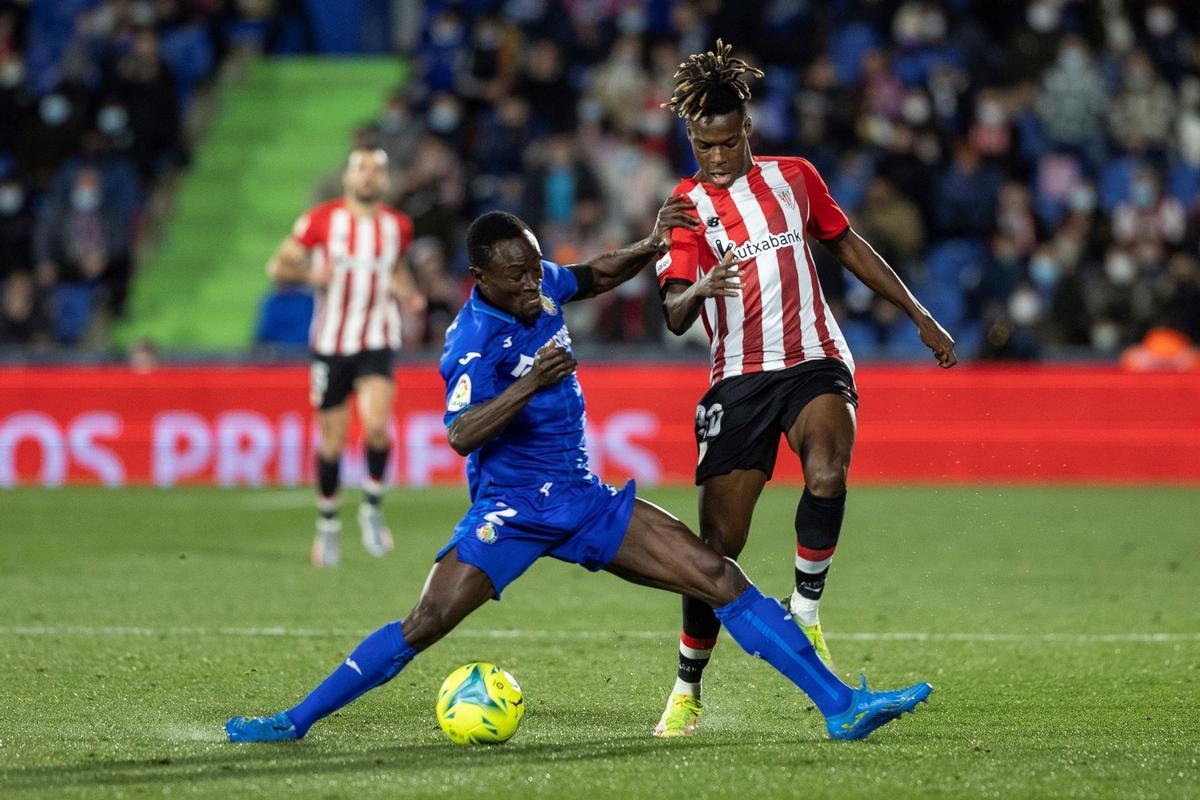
point(252, 426)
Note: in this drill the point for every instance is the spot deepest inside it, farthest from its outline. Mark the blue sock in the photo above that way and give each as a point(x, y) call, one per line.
point(765, 630)
point(376, 660)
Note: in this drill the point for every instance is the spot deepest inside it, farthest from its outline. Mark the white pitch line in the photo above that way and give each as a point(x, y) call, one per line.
point(278, 632)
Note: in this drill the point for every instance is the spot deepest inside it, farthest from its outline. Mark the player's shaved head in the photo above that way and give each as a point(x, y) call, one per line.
point(506, 263)
point(489, 230)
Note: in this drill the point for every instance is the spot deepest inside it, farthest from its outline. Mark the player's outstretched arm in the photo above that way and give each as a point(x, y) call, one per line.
point(612, 269)
point(289, 264)
point(869, 267)
point(682, 304)
point(479, 424)
point(404, 287)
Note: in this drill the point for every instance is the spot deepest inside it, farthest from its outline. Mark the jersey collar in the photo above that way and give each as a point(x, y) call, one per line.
point(754, 165)
point(479, 304)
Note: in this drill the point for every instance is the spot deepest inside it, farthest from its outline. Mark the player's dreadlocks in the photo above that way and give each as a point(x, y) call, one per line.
point(710, 83)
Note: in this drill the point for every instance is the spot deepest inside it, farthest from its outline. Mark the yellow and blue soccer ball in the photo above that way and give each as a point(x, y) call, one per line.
point(480, 703)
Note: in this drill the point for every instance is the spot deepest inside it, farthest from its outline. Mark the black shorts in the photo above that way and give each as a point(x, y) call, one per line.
point(332, 378)
point(740, 419)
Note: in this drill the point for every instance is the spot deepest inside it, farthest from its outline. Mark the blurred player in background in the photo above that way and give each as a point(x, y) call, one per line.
point(779, 362)
point(350, 250)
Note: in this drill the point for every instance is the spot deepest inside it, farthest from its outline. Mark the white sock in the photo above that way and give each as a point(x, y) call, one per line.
point(683, 687)
point(804, 609)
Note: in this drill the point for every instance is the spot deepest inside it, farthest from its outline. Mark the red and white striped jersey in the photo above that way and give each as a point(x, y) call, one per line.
point(780, 318)
point(357, 310)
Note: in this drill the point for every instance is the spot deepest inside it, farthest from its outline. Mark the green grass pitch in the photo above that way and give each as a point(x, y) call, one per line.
point(134, 622)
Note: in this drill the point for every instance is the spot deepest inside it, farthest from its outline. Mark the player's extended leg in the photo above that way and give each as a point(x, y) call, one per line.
point(375, 394)
point(452, 591)
point(658, 550)
point(333, 423)
point(726, 507)
point(823, 437)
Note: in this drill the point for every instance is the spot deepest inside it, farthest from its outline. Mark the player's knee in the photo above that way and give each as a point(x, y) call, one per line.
point(330, 451)
point(378, 438)
point(729, 582)
point(826, 478)
point(724, 538)
point(425, 624)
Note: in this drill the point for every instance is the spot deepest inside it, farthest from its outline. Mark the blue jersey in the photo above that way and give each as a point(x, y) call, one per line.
point(486, 351)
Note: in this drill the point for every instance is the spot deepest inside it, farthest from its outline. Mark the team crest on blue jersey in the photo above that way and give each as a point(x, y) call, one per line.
point(548, 306)
point(486, 533)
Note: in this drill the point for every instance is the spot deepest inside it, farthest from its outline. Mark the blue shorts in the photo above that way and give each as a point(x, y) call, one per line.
point(507, 529)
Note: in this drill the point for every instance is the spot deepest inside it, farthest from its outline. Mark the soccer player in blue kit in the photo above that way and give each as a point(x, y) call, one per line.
point(515, 408)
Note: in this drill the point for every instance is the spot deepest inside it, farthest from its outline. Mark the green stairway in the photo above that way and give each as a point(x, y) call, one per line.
point(277, 132)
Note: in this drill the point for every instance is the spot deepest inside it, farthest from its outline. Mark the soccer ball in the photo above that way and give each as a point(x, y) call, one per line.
point(480, 703)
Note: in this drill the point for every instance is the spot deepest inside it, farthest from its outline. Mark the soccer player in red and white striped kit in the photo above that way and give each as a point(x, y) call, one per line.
point(779, 362)
point(350, 250)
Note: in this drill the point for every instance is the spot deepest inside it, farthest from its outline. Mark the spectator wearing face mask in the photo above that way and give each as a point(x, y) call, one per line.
point(1169, 45)
point(1149, 217)
point(83, 237)
point(16, 228)
point(1073, 101)
point(1143, 111)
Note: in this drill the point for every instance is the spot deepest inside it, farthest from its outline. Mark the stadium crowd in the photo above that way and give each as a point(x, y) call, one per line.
point(1031, 168)
point(93, 99)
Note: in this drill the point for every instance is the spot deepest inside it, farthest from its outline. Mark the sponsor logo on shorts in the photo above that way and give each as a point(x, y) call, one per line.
point(486, 533)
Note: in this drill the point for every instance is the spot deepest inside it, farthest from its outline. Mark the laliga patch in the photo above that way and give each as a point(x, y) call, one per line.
point(662, 264)
point(548, 306)
point(460, 398)
point(486, 533)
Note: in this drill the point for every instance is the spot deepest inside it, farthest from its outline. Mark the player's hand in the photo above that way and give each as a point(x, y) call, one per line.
point(414, 303)
point(320, 274)
point(938, 340)
point(723, 280)
point(550, 365)
point(678, 212)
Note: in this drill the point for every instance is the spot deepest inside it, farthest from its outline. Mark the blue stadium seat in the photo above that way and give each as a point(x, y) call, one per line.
point(968, 339)
point(956, 262)
point(1183, 183)
point(72, 304)
point(904, 341)
point(860, 336)
point(189, 53)
point(284, 317)
point(848, 47)
point(1116, 180)
point(945, 301)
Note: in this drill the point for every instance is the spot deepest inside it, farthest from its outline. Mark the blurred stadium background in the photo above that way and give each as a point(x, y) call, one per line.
point(1032, 168)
